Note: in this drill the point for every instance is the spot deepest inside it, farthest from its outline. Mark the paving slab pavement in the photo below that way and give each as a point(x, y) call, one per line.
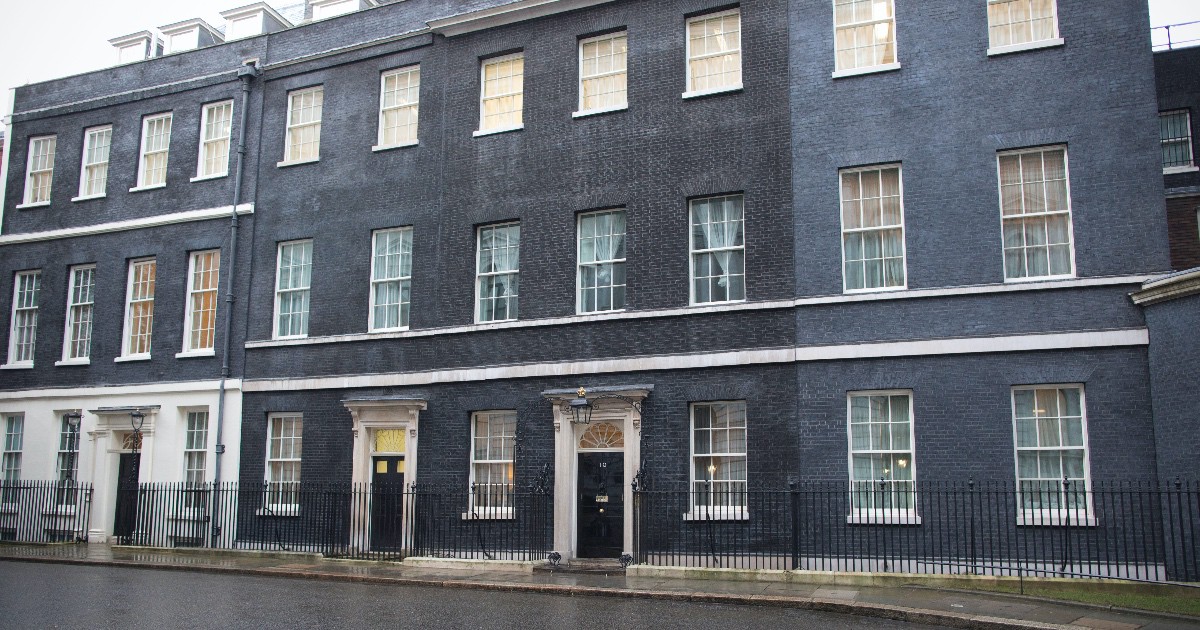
point(955, 609)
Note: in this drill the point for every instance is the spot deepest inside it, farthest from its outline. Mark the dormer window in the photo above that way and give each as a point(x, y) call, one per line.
point(252, 19)
point(189, 35)
point(136, 47)
point(322, 9)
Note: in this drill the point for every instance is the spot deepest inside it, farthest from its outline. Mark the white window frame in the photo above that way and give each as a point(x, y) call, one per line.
point(880, 228)
point(1069, 212)
point(692, 92)
point(12, 447)
point(839, 71)
point(402, 280)
point(613, 262)
point(144, 154)
point(1063, 515)
point(1054, 40)
point(274, 488)
point(194, 297)
point(412, 72)
point(33, 197)
point(290, 127)
point(279, 292)
point(484, 96)
point(693, 252)
point(583, 111)
point(207, 144)
point(91, 136)
point(328, 9)
point(195, 446)
point(712, 512)
point(479, 275)
point(485, 509)
point(1187, 120)
point(883, 516)
point(30, 309)
point(127, 353)
point(80, 316)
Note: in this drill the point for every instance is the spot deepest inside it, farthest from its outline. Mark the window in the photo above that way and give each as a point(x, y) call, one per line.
point(501, 96)
point(498, 272)
point(1052, 455)
point(864, 34)
point(714, 52)
point(882, 473)
point(77, 345)
point(602, 73)
point(391, 279)
point(200, 325)
point(67, 462)
point(399, 100)
point(248, 26)
point(493, 435)
point(719, 459)
point(1013, 24)
point(1175, 136)
point(303, 140)
point(216, 125)
point(292, 282)
point(39, 173)
point(329, 9)
point(156, 144)
point(139, 309)
point(93, 181)
point(718, 250)
point(284, 445)
point(195, 448)
point(872, 229)
point(14, 437)
point(1035, 204)
point(602, 261)
point(23, 334)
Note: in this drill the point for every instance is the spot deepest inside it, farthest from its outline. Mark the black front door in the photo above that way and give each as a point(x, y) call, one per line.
point(387, 502)
point(127, 498)
point(601, 504)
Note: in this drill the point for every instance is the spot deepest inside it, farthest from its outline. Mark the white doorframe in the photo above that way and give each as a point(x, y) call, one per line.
point(367, 416)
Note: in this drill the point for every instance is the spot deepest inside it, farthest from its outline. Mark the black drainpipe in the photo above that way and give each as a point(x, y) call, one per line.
point(246, 73)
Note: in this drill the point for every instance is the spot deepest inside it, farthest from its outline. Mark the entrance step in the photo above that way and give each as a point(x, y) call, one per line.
point(590, 566)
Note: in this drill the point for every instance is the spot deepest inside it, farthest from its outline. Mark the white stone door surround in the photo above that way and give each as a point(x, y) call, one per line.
point(566, 455)
point(372, 414)
point(112, 424)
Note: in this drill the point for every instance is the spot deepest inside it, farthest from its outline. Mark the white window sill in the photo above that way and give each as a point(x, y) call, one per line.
point(584, 113)
point(36, 204)
point(290, 337)
point(491, 132)
point(588, 313)
point(83, 361)
point(387, 330)
point(883, 519)
point(285, 163)
point(855, 72)
point(1045, 43)
point(1055, 520)
point(23, 365)
point(488, 515)
point(279, 510)
point(67, 510)
point(203, 178)
point(707, 304)
point(88, 197)
point(188, 354)
point(132, 357)
point(190, 514)
point(152, 187)
point(494, 321)
point(727, 514)
point(1068, 276)
point(874, 290)
point(1171, 170)
point(708, 92)
point(388, 147)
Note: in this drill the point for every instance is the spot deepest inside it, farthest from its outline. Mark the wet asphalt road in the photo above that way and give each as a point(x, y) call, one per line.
point(61, 596)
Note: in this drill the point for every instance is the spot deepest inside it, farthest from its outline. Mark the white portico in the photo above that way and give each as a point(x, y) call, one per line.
point(614, 428)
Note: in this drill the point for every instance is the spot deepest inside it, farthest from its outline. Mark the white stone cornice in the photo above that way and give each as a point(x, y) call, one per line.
point(1169, 287)
point(506, 14)
point(204, 214)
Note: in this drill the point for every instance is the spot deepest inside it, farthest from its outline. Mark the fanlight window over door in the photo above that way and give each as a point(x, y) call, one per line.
point(602, 435)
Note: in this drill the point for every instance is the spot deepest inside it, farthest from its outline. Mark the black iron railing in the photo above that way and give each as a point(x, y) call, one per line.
point(1174, 36)
point(364, 521)
point(44, 511)
point(1135, 531)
